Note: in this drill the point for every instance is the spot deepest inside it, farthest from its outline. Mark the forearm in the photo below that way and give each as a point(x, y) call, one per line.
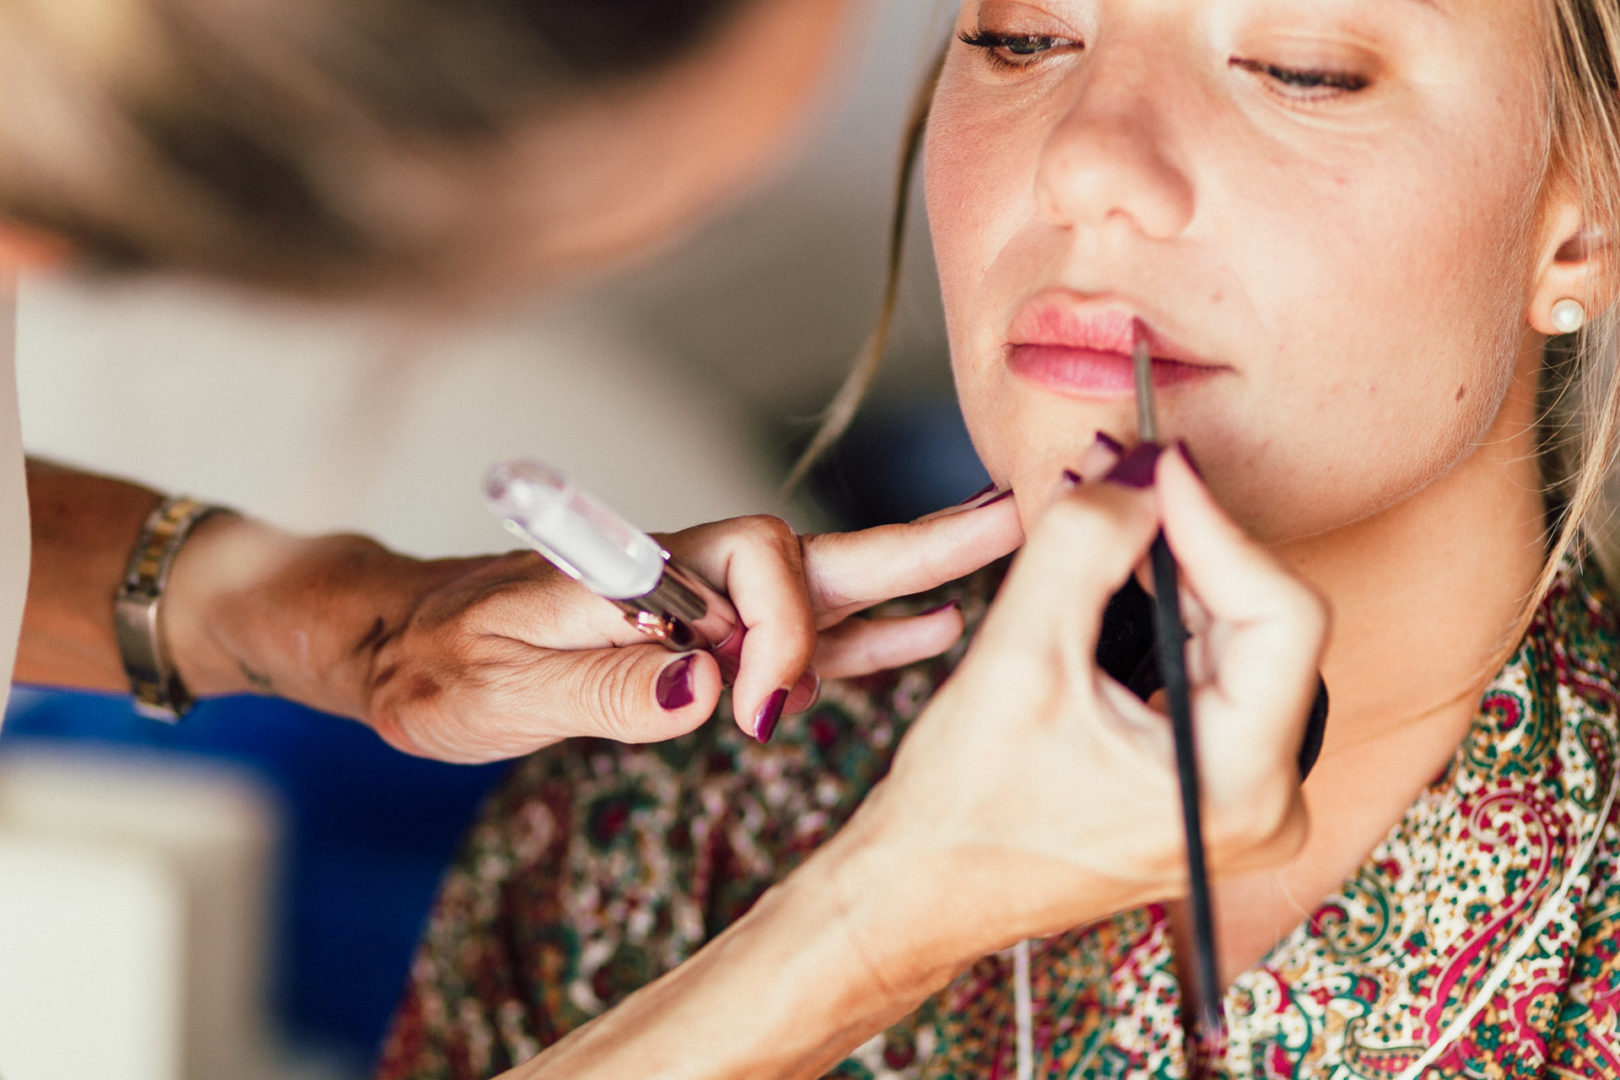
point(84, 528)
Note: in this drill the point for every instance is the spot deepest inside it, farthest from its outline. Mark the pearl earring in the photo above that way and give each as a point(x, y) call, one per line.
point(1568, 316)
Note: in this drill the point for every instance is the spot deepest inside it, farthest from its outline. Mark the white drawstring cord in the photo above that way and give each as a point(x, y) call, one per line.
point(1023, 1002)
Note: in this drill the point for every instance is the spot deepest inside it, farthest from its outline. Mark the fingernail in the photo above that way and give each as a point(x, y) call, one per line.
point(674, 689)
point(947, 606)
point(769, 714)
point(991, 502)
point(977, 495)
point(1108, 442)
point(1187, 456)
point(1135, 469)
point(805, 693)
point(1071, 479)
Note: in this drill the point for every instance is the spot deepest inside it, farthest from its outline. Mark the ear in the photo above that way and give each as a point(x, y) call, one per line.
point(1576, 263)
point(23, 247)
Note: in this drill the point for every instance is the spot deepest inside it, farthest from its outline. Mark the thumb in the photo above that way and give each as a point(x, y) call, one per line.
point(634, 694)
point(850, 571)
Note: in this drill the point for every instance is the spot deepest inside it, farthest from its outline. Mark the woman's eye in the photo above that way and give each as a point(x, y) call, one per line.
point(1012, 51)
point(1304, 84)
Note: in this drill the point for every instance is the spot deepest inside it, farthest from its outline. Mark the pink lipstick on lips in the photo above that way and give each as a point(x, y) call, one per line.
point(1085, 351)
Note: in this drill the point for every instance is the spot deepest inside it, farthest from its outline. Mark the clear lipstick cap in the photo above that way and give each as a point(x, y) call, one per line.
point(574, 529)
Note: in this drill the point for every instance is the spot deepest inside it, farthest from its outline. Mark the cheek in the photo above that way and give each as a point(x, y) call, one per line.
point(1392, 354)
point(980, 201)
point(1416, 320)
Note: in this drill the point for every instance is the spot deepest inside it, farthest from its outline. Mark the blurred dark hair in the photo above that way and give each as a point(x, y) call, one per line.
point(302, 144)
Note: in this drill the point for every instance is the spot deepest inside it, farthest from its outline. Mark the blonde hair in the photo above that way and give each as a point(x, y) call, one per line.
point(1581, 392)
point(1582, 375)
point(308, 145)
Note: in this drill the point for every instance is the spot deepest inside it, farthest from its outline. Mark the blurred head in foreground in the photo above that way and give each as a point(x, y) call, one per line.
point(346, 147)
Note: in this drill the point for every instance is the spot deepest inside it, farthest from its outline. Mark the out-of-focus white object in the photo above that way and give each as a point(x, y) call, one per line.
point(325, 420)
point(132, 919)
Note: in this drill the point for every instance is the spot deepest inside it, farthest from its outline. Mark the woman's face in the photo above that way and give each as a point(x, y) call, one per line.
point(1326, 213)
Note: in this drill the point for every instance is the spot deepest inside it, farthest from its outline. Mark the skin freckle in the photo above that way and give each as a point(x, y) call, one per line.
point(1462, 391)
point(422, 688)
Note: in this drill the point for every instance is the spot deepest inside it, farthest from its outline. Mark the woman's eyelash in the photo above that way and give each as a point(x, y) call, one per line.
point(1012, 51)
point(1309, 83)
point(1015, 51)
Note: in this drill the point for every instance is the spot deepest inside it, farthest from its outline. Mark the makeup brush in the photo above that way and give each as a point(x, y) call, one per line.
point(1172, 646)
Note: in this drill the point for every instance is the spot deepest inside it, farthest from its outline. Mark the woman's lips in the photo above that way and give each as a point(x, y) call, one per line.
point(1085, 351)
point(1095, 373)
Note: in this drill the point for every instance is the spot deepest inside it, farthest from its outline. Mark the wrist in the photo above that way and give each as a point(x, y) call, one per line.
point(893, 903)
point(926, 896)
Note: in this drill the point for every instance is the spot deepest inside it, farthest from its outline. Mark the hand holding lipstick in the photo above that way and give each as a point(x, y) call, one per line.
point(499, 656)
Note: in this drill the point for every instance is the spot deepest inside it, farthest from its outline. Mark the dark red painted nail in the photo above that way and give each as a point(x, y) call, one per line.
point(947, 606)
point(1135, 469)
point(1071, 478)
point(1192, 462)
point(674, 689)
point(977, 495)
point(1004, 495)
point(1108, 442)
point(769, 714)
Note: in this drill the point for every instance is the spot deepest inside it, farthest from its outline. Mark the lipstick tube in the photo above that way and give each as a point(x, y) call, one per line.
point(590, 542)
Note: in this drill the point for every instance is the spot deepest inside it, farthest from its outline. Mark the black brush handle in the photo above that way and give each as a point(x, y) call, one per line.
point(1172, 640)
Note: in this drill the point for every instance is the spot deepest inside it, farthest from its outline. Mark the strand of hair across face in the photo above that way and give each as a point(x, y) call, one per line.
point(838, 415)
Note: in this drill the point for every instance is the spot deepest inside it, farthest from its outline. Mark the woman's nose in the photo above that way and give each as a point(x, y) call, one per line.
point(1108, 159)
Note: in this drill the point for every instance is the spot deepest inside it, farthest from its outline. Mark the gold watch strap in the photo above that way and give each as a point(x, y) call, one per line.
point(159, 692)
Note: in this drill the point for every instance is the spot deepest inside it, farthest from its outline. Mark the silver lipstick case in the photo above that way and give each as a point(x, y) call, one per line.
point(683, 612)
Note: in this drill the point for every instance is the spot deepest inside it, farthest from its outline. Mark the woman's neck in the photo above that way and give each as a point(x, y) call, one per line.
point(1425, 598)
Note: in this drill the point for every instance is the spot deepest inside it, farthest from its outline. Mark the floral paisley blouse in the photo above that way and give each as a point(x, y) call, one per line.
point(1487, 921)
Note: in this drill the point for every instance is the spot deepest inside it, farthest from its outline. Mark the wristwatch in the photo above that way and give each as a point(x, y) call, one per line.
point(159, 693)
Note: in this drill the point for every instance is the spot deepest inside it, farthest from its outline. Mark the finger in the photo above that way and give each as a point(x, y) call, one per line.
point(858, 647)
point(1099, 457)
point(1083, 548)
point(983, 497)
point(1194, 615)
point(522, 596)
point(1235, 578)
point(645, 693)
point(847, 572)
point(638, 694)
point(757, 561)
point(1270, 625)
